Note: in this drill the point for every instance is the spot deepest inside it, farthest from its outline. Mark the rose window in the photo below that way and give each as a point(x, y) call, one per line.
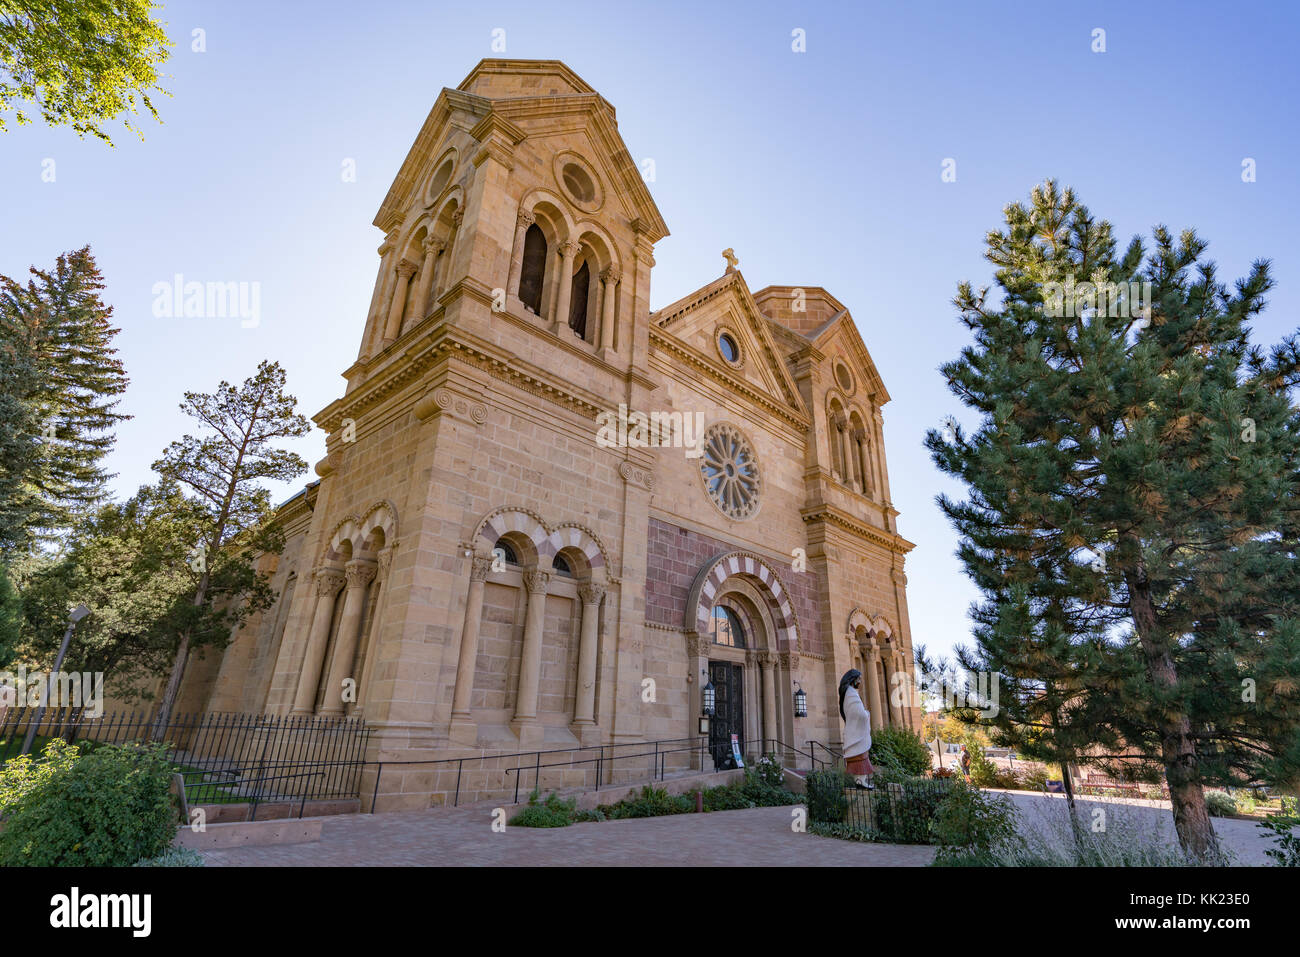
point(730, 471)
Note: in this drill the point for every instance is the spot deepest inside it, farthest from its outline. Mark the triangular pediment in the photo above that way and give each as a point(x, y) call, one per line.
point(726, 305)
point(520, 103)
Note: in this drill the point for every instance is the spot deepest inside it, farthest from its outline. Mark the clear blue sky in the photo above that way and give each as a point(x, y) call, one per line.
point(819, 168)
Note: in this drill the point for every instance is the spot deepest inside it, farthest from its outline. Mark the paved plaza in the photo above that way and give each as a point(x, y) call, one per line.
point(759, 837)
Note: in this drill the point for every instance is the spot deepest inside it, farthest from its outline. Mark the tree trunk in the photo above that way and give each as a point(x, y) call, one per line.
point(1177, 746)
point(172, 687)
point(178, 667)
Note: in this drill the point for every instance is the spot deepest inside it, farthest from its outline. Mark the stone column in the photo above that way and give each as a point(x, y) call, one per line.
point(328, 583)
point(444, 261)
point(873, 684)
point(864, 466)
point(424, 292)
point(568, 249)
point(894, 687)
point(463, 728)
point(372, 649)
point(610, 278)
point(359, 574)
point(767, 667)
point(530, 664)
point(584, 709)
point(405, 270)
point(523, 220)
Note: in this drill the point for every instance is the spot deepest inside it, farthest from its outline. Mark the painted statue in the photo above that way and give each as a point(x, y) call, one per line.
point(857, 730)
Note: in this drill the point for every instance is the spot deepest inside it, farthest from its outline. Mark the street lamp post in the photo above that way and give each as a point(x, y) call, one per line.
point(78, 613)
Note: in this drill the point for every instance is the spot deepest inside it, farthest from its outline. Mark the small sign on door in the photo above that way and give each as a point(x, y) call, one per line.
point(735, 751)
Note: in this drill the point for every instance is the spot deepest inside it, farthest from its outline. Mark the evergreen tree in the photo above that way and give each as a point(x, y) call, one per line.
point(224, 468)
point(1132, 518)
point(58, 392)
point(131, 563)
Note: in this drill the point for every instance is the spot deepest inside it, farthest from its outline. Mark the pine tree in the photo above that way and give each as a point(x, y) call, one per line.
point(223, 468)
point(58, 393)
point(1132, 510)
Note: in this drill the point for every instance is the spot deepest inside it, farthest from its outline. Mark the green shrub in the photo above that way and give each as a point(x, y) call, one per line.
point(651, 802)
point(553, 812)
point(1287, 851)
point(904, 816)
point(727, 797)
point(109, 808)
point(845, 832)
point(174, 857)
point(825, 794)
point(900, 749)
point(770, 771)
point(760, 790)
point(972, 823)
point(1220, 803)
point(983, 772)
point(1035, 779)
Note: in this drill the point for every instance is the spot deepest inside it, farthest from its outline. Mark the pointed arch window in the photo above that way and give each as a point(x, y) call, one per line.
point(534, 268)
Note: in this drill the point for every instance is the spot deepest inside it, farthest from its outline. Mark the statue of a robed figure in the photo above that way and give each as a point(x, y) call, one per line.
point(857, 730)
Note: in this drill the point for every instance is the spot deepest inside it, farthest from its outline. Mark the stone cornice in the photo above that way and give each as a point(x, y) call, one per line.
point(667, 342)
point(435, 340)
point(831, 515)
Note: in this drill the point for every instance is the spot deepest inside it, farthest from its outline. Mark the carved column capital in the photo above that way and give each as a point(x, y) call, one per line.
point(536, 582)
point(610, 275)
point(697, 645)
point(767, 658)
point(406, 269)
point(479, 569)
point(359, 572)
point(569, 249)
point(432, 245)
point(457, 218)
point(524, 218)
point(328, 582)
point(591, 593)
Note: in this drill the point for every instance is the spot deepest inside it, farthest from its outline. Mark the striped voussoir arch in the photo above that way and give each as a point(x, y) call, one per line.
point(548, 542)
point(715, 573)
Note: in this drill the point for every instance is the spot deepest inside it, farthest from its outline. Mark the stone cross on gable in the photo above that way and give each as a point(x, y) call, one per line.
point(732, 262)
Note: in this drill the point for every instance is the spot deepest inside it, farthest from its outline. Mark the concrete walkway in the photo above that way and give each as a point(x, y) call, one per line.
point(1139, 820)
point(759, 837)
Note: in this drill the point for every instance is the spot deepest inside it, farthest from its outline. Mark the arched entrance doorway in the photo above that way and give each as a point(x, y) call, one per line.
point(744, 639)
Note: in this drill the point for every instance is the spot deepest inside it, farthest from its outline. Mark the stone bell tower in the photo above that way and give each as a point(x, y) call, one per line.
point(510, 310)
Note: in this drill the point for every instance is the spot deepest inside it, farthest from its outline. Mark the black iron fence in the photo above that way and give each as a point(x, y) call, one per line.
point(224, 758)
point(897, 809)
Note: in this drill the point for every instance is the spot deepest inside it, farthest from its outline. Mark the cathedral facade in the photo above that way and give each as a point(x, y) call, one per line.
point(549, 516)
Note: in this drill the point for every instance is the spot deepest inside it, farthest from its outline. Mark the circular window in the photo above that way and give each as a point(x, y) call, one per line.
point(843, 377)
point(578, 183)
point(727, 346)
point(730, 471)
point(440, 180)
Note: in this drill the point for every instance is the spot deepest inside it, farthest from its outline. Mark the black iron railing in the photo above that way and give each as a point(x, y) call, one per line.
point(224, 758)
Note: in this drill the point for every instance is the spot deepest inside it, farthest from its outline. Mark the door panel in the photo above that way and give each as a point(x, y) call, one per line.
point(729, 708)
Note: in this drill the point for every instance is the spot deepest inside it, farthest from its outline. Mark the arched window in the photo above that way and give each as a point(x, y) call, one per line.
point(561, 566)
point(578, 302)
point(534, 268)
point(507, 552)
point(727, 629)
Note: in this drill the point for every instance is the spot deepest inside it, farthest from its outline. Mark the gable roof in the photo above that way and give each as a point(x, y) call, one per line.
point(824, 322)
point(499, 95)
point(677, 319)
